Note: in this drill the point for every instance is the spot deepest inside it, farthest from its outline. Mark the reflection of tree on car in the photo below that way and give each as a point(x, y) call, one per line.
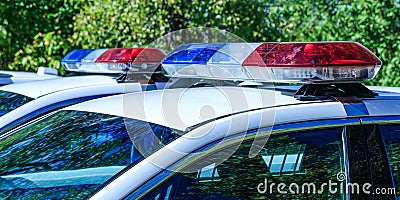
point(318, 162)
point(10, 101)
point(55, 148)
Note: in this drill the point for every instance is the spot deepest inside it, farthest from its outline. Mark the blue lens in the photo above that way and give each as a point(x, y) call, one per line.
point(76, 55)
point(192, 54)
point(5, 79)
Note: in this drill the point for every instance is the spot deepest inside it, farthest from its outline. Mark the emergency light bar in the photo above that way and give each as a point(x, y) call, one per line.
point(115, 60)
point(213, 60)
point(275, 62)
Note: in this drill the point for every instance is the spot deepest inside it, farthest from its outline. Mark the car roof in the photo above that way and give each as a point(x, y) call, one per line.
point(19, 76)
point(36, 89)
point(193, 105)
point(198, 105)
point(384, 89)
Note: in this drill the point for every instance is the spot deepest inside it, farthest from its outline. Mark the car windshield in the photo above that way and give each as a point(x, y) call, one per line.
point(10, 101)
point(71, 153)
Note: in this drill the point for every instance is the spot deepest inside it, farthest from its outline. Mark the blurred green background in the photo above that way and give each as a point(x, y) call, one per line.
point(37, 33)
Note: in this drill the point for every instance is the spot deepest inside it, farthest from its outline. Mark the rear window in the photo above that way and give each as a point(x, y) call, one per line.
point(70, 154)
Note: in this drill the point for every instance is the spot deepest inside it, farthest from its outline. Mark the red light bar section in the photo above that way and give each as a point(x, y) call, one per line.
point(311, 54)
point(132, 55)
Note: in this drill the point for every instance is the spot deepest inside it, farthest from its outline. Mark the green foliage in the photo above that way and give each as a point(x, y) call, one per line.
point(101, 23)
point(46, 50)
point(3, 43)
point(106, 24)
point(121, 23)
point(24, 22)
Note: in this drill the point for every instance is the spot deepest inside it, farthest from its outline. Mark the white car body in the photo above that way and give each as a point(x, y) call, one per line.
point(21, 77)
point(234, 110)
point(226, 121)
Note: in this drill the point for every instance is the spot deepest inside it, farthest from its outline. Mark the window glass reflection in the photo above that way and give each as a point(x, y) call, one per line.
point(309, 159)
point(71, 153)
point(10, 101)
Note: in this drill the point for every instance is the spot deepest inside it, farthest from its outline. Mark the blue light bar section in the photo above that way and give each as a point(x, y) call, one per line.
point(192, 54)
point(76, 55)
point(5, 79)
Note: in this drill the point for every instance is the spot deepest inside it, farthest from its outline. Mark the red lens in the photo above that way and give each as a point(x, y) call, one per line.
point(311, 54)
point(132, 55)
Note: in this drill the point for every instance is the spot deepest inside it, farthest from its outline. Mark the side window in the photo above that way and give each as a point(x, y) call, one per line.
point(295, 165)
point(391, 137)
point(71, 153)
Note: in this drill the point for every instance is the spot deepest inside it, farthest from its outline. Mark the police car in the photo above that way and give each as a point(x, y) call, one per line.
point(22, 102)
point(332, 138)
point(43, 73)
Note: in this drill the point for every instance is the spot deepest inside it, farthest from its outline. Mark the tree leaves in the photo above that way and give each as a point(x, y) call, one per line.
point(103, 23)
